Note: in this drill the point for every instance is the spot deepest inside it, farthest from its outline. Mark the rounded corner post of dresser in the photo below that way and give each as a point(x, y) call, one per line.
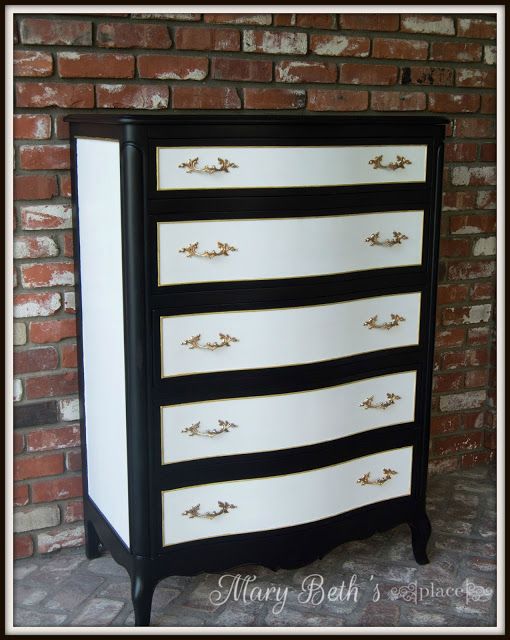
point(143, 583)
point(420, 534)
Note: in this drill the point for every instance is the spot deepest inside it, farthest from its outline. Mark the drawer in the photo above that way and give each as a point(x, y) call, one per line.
point(265, 249)
point(228, 427)
point(288, 166)
point(261, 504)
point(258, 339)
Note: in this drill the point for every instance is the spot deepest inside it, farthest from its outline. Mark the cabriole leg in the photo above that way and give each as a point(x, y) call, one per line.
point(142, 590)
point(420, 533)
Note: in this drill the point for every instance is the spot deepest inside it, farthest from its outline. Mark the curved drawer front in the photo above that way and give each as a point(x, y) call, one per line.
point(236, 340)
point(288, 166)
point(267, 423)
point(258, 504)
point(231, 250)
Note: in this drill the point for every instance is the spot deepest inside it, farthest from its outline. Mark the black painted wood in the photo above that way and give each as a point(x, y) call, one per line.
point(142, 207)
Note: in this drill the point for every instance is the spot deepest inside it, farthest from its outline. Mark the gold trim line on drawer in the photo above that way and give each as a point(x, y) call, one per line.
point(275, 395)
point(336, 464)
point(290, 364)
point(308, 275)
point(292, 146)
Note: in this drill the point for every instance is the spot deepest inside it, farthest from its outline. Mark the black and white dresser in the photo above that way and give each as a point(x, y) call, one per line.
point(256, 329)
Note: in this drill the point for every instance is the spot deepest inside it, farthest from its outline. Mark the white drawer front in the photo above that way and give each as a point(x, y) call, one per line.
point(287, 247)
point(288, 166)
point(283, 501)
point(289, 336)
point(264, 423)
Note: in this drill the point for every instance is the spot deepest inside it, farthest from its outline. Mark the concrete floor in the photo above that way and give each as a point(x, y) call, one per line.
point(66, 589)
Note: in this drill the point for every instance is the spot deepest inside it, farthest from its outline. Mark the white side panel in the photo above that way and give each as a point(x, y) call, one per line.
point(287, 248)
point(103, 328)
point(267, 423)
point(283, 501)
point(262, 167)
point(281, 337)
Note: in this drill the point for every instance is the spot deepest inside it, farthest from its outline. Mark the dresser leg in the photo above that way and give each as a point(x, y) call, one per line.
point(420, 533)
point(142, 590)
point(93, 544)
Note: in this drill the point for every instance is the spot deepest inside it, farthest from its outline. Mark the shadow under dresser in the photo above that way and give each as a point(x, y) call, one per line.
point(256, 331)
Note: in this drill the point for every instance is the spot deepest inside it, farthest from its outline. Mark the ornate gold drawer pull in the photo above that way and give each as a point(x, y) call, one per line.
point(369, 403)
point(373, 240)
point(193, 342)
point(194, 512)
point(388, 474)
point(400, 163)
point(194, 430)
point(191, 251)
point(371, 323)
point(192, 166)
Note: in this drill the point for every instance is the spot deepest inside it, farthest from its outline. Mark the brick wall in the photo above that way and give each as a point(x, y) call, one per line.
point(314, 63)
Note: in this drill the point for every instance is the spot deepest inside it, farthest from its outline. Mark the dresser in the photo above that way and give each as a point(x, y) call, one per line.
point(256, 330)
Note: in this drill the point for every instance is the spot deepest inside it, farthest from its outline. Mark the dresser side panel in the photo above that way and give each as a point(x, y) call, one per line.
point(102, 312)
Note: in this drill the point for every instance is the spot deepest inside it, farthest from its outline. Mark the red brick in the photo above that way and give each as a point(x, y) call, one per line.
point(456, 51)
point(396, 101)
point(486, 199)
point(455, 247)
point(262, 19)
point(473, 224)
point(427, 76)
point(73, 461)
point(443, 465)
point(474, 176)
point(490, 439)
point(278, 42)
point(23, 546)
point(123, 35)
point(284, 19)
point(448, 382)
point(53, 31)
point(476, 28)
point(477, 357)
point(378, 74)
point(316, 20)
point(454, 102)
point(488, 104)
point(73, 64)
point(54, 94)
point(32, 246)
point(400, 49)
point(69, 356)
point(27, 305)
point(18, 443)
point(37, 467)
point(478, 335)
point(488, 152)
point(21, 498)
point(338, 45)
point(454, 360)
point(68, 244)
point(236, 69)
point(186, 17)
point(61, 128)
point(73, 511)
point(444, 424)
point(475, 128)
point(57, 489)
point(476, 78)
point(449, 293)
point(460, 152)
point(458, 200)
point(274, 98)
point(64, 182)
point(56, 438)
point(52, 331)
point(456, 444)
point(471, 270)
point(477, 378)
point(305, 71)
point(59, 384)
point(61, 538)
point(207, 39)
point(469, 460)
point(36, 187)
point(427, 23)
point(47, 156)
point(337, 100)
point(134, 96)
point(47, 274)
point(466, 315)
point(482, 291)
point(35, 360)
point(32, 127)
point(370, 21)
point(205, 98)
point(450, 337)
point(166, 67)
point(32, 63)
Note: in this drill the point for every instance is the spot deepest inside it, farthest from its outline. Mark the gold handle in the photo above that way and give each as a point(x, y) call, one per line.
point(192, 166)
point(388, 474)
point(373, 240)
point(393, 166)
point(369, 403)
point(194, 430)
point(194, 512)
point(193, 342)
point(191, 251)
point(371, 323)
